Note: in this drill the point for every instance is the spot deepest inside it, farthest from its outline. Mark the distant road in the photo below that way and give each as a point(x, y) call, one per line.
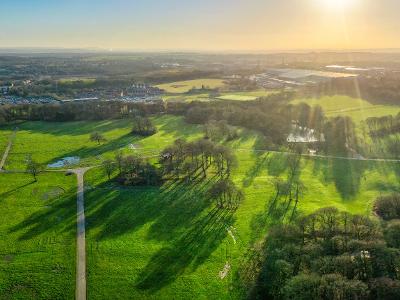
point(5, 155)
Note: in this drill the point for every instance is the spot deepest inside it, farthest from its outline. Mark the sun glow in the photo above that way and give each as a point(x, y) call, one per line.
point(337, 5)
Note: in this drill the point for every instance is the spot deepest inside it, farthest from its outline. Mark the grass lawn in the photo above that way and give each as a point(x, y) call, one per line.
point(234, 96)
point(4, 138)
point(37, 237)
point(49, 142)
point(85, 80)
point(171, 242)
point(245, 96)
point(167, 242)
point(358, 109)
point(181, 87)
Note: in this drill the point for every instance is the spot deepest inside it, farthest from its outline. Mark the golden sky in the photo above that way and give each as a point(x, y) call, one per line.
point(240, 25)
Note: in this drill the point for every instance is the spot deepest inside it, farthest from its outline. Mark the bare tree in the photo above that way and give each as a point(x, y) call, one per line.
point(97, 137)
point(108, 167)
point(32, 167)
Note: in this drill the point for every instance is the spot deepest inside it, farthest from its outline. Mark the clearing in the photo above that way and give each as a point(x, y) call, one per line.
point(357, 109)
point(181, 87)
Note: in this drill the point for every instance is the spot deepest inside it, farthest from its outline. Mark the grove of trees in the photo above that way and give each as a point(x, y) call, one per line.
point(330, 254)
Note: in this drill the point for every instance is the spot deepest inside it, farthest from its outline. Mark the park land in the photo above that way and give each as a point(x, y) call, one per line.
point(155, 242)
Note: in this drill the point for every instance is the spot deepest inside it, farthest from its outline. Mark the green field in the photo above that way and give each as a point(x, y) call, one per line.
point(233, 96)
point(358, 109)
point(244, 96)
point(160, 242)
point(169, 242)
point(37, 230)
point(68, 80)
point(180, 87)
point(50, 142)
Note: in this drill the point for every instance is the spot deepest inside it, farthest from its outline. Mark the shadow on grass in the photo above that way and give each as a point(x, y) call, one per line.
point(260, 165)
point(74, 128)
point(97, 150)
point(10, 192)
point(58, 216)
point(180, 213)
point(189, 250)
point(347, 175)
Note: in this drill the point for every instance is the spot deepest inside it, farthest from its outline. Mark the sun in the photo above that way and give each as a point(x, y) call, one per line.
point(337, 4)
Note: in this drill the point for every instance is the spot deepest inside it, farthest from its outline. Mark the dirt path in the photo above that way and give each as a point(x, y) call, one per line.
point(80, 292)
point(5, 155)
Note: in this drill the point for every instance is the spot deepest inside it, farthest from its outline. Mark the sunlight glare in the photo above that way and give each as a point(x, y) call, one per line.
point(337, 5)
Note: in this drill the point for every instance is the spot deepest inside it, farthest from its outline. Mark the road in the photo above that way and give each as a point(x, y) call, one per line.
point(80, 291)
point(5, 155)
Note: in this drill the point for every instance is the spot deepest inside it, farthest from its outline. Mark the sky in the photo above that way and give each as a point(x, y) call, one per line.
point(210, 25)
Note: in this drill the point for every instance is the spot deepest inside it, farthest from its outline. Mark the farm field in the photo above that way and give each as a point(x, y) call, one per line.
point(357, 109)
point(37, 237)
point(159, 242)
point(180, 87)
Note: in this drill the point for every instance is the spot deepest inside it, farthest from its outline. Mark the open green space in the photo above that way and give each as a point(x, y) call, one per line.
point(233, 96)
point(171, 241)
point(244, 96)
point(357, 109)
point(155, 242)
point(67, 80)
point(50, 142)
point(4, 138)
point(184, 86)
point(37, 236)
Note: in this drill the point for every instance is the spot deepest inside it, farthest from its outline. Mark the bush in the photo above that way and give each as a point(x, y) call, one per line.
point(388, 207)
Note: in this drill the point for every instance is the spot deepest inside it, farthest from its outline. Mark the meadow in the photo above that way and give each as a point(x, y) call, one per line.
point(357, 109)
point(49, 142)
point(171, 241)
point(231, 96)
point(37, 236)
point(159, 242)
point(181, 87)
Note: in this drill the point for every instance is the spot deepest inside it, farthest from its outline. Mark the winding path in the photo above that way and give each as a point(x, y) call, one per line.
point(80, 291)
point(5, 155)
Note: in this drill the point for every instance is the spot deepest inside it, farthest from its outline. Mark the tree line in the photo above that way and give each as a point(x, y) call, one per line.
point(329, 254)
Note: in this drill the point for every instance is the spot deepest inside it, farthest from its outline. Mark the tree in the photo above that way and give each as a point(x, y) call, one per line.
point(97, 137)
point(108, 167)
point(303, 287)
point(143, 126)
point(119, 157)
point(32, 167)
point(226, 194)
point(392, 233)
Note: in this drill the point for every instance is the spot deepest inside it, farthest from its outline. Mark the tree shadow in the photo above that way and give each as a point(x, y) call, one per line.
point(98, 150)
point(58, 216)
point(189, 250)
point(277, 164)
point(10, 192)
point(74, 128)
point(259, 165)
point(170, 208)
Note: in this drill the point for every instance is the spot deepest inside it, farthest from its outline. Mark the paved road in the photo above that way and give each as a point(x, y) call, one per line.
point(80, 291)
point(5, 155)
